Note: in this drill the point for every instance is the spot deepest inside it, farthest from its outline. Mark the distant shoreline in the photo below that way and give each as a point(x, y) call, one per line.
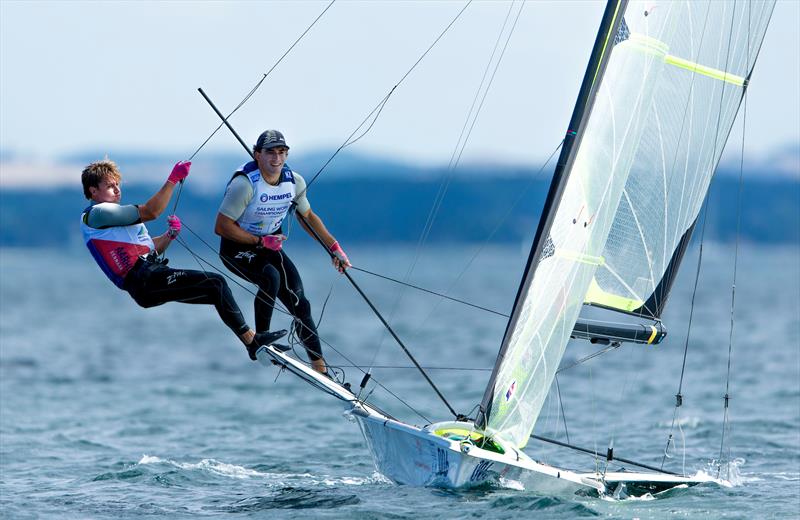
point(391, 209)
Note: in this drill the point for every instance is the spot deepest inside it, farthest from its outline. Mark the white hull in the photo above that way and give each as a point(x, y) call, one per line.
point(416, 456)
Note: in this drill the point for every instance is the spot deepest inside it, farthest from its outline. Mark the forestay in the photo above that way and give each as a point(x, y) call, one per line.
point(661, 97)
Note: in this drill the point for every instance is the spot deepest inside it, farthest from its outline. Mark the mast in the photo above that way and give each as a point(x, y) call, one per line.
point(609, 25)
point(657, 103)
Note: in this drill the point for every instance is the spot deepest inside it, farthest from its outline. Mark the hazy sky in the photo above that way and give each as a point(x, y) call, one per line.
point(112, 76)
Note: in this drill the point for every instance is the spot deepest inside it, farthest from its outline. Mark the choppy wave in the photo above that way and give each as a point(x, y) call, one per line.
point(163, 421)
point(224, 469)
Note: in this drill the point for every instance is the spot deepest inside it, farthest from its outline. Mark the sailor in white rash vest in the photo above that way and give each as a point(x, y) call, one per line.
point(257, 200)
point(121, 245)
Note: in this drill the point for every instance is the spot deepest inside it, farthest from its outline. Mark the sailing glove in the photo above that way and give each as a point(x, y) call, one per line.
point(274, 242)
point(179, 172)
point(340, 260)
point(174, 228)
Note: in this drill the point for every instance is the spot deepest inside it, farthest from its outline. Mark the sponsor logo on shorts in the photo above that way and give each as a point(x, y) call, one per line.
point(245, 255)
point(174, 277)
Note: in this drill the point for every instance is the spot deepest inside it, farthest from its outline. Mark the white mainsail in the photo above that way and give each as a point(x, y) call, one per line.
point(710, 58)
point(669, 81)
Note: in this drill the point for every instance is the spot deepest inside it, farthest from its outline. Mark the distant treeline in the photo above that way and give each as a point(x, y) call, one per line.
point(396, 209)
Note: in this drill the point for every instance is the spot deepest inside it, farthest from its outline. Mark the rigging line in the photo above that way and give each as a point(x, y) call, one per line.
point(429, 291)
point(679, 395)
point(561, 404)
point(384, 100)
point(473, 114)
point(350, 279)
point(163, 253)
point(725, 423)
point(443, 187)
point(458, 150)
point(593, 355)
point(491, 81)
point(264, 77)
point(324, 305)
point(480, 86)
point(411, 367)
point(199, 258)
point(594, 453)
point(521, 195)
point(461, 143)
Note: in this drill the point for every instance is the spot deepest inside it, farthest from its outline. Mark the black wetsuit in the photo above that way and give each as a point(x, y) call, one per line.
point(152, 283)
point(122, 247)
point(276, 277)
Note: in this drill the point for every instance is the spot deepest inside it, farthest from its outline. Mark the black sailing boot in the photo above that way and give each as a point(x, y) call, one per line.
point(263, 339)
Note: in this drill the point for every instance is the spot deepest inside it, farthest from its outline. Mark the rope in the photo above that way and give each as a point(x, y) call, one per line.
point(379, 107)
point(679, 395)
point(422, 289)
point(264, 77)
point(439, 198)
point(455, 157)
point(522, 194)
point(199, 258)
point(725, 423)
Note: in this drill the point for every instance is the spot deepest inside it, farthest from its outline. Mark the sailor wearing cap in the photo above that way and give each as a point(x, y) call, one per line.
point(257, 199)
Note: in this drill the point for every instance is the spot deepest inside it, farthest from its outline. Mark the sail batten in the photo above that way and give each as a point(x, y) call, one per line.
point(680, 148)
point(655, 109)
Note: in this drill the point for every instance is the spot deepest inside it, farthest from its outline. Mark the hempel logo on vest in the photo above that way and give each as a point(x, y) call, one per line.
point(264, 197)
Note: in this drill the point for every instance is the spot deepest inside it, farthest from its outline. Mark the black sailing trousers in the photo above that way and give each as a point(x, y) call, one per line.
point(276, 277)
point(152, 283)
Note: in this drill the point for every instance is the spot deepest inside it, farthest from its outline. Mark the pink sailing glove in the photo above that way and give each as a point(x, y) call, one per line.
point(179, 172)
point(174, 228)
point(274, 242)
point(340, 260)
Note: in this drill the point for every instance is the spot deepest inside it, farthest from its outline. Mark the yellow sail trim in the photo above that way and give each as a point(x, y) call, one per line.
point(653, 46)
point(597, 295)
point(705, 71)
point(580, 257)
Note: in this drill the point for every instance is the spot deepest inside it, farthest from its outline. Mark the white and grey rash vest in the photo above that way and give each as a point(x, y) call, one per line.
point(266, 205)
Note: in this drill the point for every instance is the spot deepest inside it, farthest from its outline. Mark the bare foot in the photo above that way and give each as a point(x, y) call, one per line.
point(320, 366)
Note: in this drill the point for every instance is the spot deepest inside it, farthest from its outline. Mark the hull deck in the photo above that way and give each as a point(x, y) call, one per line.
point(434, 456)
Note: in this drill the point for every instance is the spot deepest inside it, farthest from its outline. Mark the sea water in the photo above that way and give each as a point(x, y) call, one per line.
point(108, 410)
